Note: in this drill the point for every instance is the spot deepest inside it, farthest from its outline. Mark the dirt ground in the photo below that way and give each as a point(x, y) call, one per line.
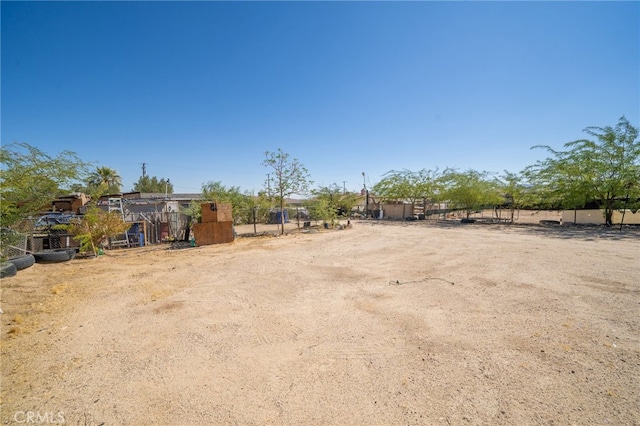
point(435, 323)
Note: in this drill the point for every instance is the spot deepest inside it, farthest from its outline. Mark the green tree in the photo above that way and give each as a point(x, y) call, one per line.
point(241, 203)
point(30, 180)
point(322, 209)
point(290, 177)
point(152, 184)
point(331, 201)
point(104, 180)
point(340, 201)
point(471, 190)
point(407, 185)
point(347, 202)
point(516, 191)
point(262, 204)
point(396, 186)
point(96, 227)
point(254, 205)
point(606, 169)
point(194, 211)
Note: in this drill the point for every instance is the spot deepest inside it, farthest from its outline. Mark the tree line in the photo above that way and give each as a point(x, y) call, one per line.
point(603, 170)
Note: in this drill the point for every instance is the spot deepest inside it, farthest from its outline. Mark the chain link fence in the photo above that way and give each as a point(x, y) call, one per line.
point(12, 243)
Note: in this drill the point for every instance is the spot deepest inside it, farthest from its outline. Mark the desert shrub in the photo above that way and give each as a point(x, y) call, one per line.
point(96, 227)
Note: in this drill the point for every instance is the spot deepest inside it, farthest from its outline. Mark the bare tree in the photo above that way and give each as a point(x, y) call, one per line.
point(290, 177)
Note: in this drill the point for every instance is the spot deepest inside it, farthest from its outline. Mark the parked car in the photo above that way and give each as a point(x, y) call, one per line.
point(52, 219)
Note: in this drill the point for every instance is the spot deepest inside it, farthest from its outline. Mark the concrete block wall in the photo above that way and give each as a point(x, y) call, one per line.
point(596, 217)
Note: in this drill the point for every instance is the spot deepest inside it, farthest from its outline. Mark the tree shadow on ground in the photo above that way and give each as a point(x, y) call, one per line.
point(579, 232)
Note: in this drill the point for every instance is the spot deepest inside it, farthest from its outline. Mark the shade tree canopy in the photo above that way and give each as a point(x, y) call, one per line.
point(605, 168)
point(407, 185)
point(31, 179)
point(152, 184)
point(471, 190)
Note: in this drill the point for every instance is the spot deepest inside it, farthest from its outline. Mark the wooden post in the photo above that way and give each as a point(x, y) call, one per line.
point(144, 231)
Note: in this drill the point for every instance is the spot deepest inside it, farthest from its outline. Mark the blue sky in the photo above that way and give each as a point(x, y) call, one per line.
point(200, 90)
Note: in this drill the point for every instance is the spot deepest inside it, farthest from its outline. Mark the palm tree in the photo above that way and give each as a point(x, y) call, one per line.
point(105, 178)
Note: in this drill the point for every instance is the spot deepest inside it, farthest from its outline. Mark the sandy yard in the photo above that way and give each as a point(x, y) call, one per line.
point(385, 323)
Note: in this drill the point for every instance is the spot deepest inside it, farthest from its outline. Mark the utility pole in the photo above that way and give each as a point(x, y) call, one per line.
point(144, 169)
point(344, 186)
point(166, 188)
